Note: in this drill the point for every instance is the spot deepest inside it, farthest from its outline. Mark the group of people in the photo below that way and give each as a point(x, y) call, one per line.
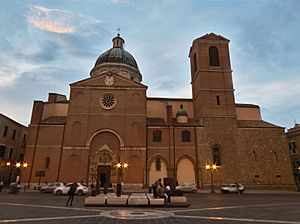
point(159, 191)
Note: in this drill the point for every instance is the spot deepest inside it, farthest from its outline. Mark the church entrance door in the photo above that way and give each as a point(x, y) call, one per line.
point(103, 175)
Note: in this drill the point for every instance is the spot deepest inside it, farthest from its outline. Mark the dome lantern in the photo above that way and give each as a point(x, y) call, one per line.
point(117, 60)
point(118, 41)
point(182, 115)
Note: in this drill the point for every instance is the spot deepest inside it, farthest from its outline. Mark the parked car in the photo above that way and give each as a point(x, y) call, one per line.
point(187, 187)
point(50, 187)
point(81, 189)
point(233, 188)
point(14, 188)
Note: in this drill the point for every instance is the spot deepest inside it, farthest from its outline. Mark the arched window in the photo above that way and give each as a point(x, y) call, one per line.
point(47, 162)
point(214, 56)
point(195, 62)
point(158, 164)
point(157, 136)
point(186, 136)
point(216, 156)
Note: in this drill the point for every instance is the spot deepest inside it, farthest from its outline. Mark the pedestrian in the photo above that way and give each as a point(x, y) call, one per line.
point(1, 186)
point(154, 189)
point(237, 188)
point(71, 193)
point(168, 193)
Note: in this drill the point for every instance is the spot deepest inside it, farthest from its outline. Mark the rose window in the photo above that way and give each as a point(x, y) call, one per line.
point(108, 101)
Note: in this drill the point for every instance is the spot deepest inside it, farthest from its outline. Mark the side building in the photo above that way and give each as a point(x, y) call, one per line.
point(293, 136)
point(109, 119)
point(13, 137)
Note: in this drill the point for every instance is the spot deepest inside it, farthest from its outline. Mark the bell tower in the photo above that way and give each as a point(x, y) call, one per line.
point(212, 87)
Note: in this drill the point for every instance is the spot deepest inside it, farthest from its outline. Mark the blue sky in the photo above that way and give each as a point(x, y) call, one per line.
point(46, 45)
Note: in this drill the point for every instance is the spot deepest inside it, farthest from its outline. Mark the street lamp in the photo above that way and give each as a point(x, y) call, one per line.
point(211, 168)
point(17, 165)
point(120, 166)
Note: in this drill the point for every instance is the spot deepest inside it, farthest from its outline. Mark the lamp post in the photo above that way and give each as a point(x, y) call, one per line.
point(120, 166)
point(18, 166)
point(211, 168)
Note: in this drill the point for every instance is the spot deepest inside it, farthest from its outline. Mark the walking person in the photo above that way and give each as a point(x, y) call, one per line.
point(1, 186)
point(71, 194)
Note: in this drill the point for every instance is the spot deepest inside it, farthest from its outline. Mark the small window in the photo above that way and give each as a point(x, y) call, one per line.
point(292, 145)
point(218, 100)
point(214, 56)
point(278, 176)
point(24, 138)
point(2, 150)
point(256, 176)
point(5, 131)
point(195, 62)
point(157, 136)
point(47, 162)
point(158, 164)
point(186, 136)
point(10, 153)
point(217, 156)
point(14, 134)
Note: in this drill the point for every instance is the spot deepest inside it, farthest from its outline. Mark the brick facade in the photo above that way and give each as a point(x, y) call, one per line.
point(109, 118)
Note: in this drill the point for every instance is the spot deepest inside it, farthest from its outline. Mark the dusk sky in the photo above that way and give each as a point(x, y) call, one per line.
point(46, 45)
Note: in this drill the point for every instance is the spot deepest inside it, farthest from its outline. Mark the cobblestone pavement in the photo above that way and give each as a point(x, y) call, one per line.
point(204, 208)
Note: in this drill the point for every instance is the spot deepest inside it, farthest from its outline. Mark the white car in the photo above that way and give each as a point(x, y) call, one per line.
point(81, 190)
point(187, 187)
point(50, 187)
point(233, 188)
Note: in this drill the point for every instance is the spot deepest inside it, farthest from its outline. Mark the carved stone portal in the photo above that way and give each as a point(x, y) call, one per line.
point(102, 157)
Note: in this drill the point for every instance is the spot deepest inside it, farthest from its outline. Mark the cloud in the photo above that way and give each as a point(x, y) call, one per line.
point(273, 93)
point(57, 20)
point(276, 99)
point(52, 20)
point(7, 77)
point(119, 1)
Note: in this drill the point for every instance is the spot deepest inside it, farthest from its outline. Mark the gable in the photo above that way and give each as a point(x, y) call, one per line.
point(212, 37)
point(108, 80)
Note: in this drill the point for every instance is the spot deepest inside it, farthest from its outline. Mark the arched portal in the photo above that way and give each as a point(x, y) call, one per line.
point(104, 155)
point(158, 169)
point(185, 170)
point(101, 165)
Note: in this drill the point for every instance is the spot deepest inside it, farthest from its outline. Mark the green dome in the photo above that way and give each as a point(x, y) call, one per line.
point(181, 112)
point(117, 55)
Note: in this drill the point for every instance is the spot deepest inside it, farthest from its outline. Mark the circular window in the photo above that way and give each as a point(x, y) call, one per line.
point(108, 101)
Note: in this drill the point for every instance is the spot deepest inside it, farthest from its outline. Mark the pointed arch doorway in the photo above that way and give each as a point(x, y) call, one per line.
point(101, 167)
point(103, 175)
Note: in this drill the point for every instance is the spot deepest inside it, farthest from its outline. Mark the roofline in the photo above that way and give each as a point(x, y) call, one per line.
point(212, 33)
point(64, 102)
point(13, 120)
point(246, 105)
point(170, 99)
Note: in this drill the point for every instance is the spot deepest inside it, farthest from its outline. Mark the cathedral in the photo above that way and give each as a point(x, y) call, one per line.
point(108, 119)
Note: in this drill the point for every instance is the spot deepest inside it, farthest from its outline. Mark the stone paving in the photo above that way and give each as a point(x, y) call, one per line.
point(204, 208)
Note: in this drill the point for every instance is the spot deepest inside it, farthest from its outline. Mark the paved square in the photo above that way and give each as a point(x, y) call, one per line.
point(205, 208)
